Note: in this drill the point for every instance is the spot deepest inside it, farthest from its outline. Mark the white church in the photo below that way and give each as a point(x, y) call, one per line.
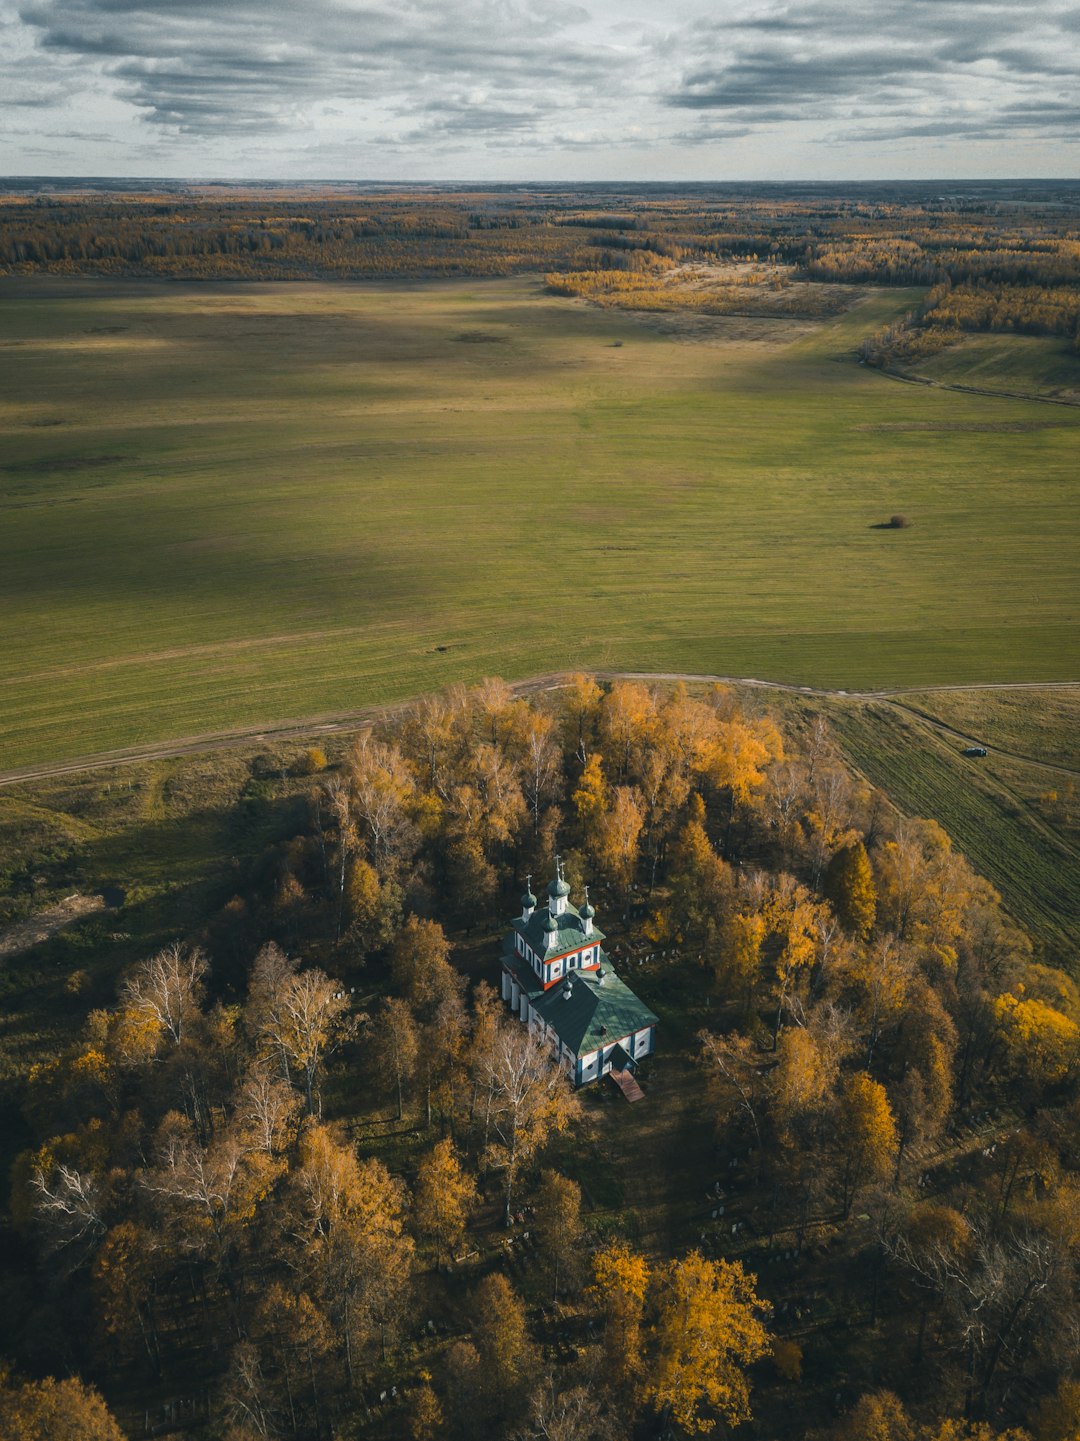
point(558, 981)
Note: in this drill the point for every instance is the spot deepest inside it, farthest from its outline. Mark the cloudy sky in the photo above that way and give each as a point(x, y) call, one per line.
point(540, 89)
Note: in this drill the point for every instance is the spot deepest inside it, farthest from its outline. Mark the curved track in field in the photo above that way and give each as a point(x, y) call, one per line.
point(314, 726)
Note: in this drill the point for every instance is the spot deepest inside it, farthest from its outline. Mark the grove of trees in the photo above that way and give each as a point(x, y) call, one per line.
point(307, 1172)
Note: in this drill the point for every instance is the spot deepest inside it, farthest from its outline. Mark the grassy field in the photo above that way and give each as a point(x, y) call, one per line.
point(1038, 724)
point(1029, 364)
point(231, 505)
point(990, 806)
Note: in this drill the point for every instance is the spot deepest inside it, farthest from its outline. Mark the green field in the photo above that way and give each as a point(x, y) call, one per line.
point(1029, 364)
point(1035, 724)
point(990, 806)
point(230, 505)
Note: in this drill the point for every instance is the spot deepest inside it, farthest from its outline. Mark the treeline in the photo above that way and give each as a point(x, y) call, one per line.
point(949, 312)
point(1024, 241)
point(648, 282)
point(300, 1193)
point(982, 258)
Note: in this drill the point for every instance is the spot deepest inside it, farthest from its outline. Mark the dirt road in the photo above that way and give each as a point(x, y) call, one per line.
point(313, 727)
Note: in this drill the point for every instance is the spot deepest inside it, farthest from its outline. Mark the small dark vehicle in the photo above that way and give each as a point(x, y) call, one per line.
point(974, 750)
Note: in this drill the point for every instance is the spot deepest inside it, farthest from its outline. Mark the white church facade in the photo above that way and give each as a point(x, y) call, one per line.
point(558, 981)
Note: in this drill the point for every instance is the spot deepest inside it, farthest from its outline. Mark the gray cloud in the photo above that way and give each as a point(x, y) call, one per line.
point(269, 79)
point(817, 60)
point(203, 67)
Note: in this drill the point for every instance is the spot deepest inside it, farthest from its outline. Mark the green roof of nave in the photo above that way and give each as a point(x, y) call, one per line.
point(569, 934)
point(584, 1011)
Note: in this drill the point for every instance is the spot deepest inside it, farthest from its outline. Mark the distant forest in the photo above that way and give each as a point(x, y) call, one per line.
point(1010, 254)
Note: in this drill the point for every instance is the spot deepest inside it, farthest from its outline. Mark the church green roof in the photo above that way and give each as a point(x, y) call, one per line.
point(568, 933)
point(596, 1012)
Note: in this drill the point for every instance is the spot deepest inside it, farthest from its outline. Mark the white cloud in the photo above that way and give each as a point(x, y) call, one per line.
point(538, 87)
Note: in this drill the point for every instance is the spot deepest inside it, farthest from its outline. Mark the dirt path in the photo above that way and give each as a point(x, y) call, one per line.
point(24, 934)
point(913, 379)
point(314, 726)
point(975, 740)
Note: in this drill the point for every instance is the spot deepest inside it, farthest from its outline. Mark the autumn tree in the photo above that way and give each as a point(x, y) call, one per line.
point(345, 1217)
point(433, 735)
point(540, 760)
point(52, 1410)
point(1059, 1415)
point(420, 966)
point(381, 792)
point(208, 1196)
point(828, 819)
point(796, 917)
point(445, 1196)
point(503, 1344)
point(620, 1284)
point(267, 1109)
point(849, 885)
point(802, 1081)
point(627, 716)
point(738, 761)
point(394, 1047)
point(877, 1417)
point(619, 835)
point(246, 1399)
point(426, 1420)
point(495, 705)
point(558, 1219)
point(294, 1335)
point(700, 886)
point(372, 904)
point(164, 995)
point(926, 890)
point(709, 1329)
point(126, 1276)
point(532, 1096)
point(866, 1134)
point(301, 1017)
point(935, 1244)
point(590, 800)
point(68, 1204)
point(1042, 1043)
point(581, 703)
point(481, 1073)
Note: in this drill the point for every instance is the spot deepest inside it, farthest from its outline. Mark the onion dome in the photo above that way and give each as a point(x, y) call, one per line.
point(587, 912)
point(559, 888)
point(528, 901)
point(551, 925)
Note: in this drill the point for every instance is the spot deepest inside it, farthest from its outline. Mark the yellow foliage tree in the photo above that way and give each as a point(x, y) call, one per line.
point(709, 1328)
point(53, 1410)
point(581, 705)
point(866, 1132)
point(420, 966)
point(620, 1283)
point(426, 1419)
point(627, 720)
point(502, 1337)
point(802, 1080)
point(1042, 1043)
point(445, 1194)
point(558, 1219)
point(849, 885)
point(619, 836)
point(1059, 1415)
point(590, 800)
